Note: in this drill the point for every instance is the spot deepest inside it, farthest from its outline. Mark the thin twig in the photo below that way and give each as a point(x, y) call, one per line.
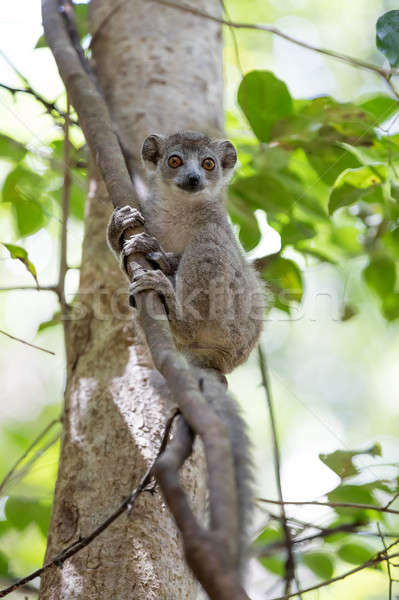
point(290, 562)
point(41, 435)
point(63, 268)
point(386, 74)
point(382, 509)
point(380, 557)
point(17, 339)
point(41, 288)
point(322, 534)
point(388, 561)
point(25, 469)
point(127, 503)
point(50, 107)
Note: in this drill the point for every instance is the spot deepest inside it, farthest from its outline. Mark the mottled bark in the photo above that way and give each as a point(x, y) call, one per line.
point(160, 71)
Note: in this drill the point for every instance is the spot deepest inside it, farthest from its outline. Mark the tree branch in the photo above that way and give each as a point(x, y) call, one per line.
point(380, 557)
point(51, 107)
point(63, 268)
point(290, 562)
point(184, 386)
point(382, 509)
point(17, 339)
point(41, 435)
point(81, 543)
point(385, 74)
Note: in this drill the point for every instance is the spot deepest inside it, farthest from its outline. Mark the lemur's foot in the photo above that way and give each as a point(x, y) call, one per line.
point(141, 243)
point(158, 282)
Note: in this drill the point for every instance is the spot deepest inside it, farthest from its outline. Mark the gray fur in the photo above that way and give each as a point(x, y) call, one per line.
point(213, 296)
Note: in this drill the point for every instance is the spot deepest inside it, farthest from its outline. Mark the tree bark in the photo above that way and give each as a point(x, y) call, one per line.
point(160, 71)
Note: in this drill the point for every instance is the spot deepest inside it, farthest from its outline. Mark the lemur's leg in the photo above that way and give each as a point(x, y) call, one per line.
point(158, 282)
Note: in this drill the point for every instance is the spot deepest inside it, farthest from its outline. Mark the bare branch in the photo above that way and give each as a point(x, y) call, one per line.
point(26, 343)
point(380, 557)
point(290, 562)
point(13, 469)
point(63, 268)
point(382, 509)
point(41, 288)
point(81, 543)
point(385, 74)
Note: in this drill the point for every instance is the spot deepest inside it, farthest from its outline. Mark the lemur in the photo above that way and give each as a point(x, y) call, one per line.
point(212, 295)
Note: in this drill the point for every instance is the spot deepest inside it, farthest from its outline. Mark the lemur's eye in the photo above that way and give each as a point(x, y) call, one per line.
point(174, 161)
point(208, 164)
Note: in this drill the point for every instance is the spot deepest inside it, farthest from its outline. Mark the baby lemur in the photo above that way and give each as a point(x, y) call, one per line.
point(212, 295)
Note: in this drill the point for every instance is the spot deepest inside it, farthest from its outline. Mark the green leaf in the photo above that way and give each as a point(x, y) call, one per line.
point(22, 511)
point(320, 563)
point(390, 306)
point(21, 254)
point(355, 494)
point(242, 215)
point(380, 106)
point(77, 200)
point(3, 564)
point(22, 189)
point(329, 160)
point(380, 275)
point(347, 238)
point(11, 149)
point(269, 536)
point(341, 461)
point(264, 100)
point(363, 183)
point(388, 36)
point(296, 231)
point(355, 554)
point(55, 320)
point(284, 276)
point(274, 565)
point(266, 191)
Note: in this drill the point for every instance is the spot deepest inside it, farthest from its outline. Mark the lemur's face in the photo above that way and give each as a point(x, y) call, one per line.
point(190, 161)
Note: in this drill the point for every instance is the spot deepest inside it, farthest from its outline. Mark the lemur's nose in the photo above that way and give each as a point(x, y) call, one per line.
point(193, 180)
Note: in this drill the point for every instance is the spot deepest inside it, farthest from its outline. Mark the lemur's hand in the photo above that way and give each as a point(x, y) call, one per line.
point(122, 219)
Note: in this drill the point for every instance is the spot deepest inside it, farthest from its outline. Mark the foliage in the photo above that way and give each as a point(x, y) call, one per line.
point(325, 175)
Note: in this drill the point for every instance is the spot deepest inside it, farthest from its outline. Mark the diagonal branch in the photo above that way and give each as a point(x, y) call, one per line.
point(385, 74)
point(81, 543)
point(184, 386)
point(51, 107)
point(17, 339)
point(382, 509)
point(35, 442)
point(379, 558)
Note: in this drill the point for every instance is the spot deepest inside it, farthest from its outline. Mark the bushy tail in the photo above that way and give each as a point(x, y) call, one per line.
point(224, 405)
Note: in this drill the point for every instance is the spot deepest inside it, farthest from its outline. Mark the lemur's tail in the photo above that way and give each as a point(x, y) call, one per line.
point(225, 406)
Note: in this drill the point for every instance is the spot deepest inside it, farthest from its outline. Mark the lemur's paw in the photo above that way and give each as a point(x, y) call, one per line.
point(151, 280)
point(141, 243)
point(126, 217)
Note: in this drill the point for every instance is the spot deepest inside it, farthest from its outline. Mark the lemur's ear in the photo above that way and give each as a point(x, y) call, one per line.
point(228, 154)
point(152, 150)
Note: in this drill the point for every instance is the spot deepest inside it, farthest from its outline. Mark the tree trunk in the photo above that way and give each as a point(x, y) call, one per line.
point(160, 70)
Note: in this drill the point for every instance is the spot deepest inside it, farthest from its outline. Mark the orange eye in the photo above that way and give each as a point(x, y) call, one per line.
point(174, 161)
point(208, 164)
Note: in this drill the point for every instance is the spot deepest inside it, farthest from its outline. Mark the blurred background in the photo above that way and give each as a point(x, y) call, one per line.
point(334, 381)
